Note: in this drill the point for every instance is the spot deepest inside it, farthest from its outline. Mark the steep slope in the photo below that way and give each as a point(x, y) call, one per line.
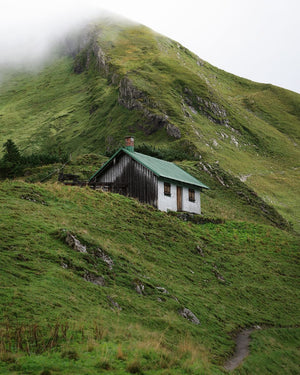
point(116, 79)
point(114, 301)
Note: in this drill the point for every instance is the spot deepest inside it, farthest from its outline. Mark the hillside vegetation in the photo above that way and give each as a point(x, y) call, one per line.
point(97, 283)
point(66, 311)
point(115, 79)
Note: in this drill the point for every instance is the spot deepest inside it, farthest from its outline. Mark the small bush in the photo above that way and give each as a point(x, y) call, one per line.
point(104, 365)
point(13, 163)
point(46, 372)
point(8, 357)
point(134, 367)
point(120, 354)
point(70, 354)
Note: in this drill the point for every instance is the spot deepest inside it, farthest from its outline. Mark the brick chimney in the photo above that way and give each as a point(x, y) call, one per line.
point(129, 144)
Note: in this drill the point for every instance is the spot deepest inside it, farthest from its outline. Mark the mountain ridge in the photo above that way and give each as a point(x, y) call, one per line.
point(116, 79)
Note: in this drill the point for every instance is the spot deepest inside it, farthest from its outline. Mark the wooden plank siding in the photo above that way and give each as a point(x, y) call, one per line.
point(126, 176)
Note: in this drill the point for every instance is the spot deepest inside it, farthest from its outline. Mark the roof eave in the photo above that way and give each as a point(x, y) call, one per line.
point(131, 154)
point(196, 186)
point(105, 164)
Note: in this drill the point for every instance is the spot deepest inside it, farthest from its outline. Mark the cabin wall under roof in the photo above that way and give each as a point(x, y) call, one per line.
point(128, 177)
point(166, 203)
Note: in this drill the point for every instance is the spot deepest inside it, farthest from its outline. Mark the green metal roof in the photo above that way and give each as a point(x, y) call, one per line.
point(161, 168)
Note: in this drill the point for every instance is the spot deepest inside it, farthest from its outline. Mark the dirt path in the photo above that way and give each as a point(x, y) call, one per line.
point(241, 351)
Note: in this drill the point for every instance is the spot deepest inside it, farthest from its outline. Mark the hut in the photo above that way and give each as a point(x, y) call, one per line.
point(157, 182)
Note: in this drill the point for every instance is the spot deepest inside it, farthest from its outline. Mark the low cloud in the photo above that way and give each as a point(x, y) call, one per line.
point(27, 39)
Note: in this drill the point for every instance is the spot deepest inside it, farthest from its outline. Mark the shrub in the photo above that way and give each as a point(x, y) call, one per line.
point(46, 372)
point(13, 163)
point(103, 365)
point(70, 354)
point(134, 367)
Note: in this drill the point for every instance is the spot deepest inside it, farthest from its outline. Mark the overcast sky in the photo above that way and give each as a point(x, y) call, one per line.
point(255, 39)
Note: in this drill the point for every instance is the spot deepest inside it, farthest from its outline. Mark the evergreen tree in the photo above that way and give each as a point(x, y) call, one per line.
point(11, 163)
point(11, 152)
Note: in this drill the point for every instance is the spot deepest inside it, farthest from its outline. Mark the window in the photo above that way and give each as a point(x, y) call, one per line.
point(167, 189)
point(191, 195)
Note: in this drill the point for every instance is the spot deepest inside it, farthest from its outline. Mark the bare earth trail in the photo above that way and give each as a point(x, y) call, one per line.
point(242, 342)
point(241, 351)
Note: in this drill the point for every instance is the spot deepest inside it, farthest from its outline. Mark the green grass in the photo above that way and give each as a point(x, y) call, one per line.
point(247, 127)
point(69, 324)
point(53, 321)
point(275, 350)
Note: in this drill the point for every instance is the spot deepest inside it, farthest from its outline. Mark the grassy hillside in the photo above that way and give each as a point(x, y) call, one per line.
point(63, 311)
point(112, 79)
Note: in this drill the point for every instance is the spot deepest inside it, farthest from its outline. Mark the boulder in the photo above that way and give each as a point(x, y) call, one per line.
point(106, 259)
point(187, 314)
point(73, 242)
point(97, 280)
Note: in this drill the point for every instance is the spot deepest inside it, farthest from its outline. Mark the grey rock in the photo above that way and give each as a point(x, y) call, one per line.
point(139, 288)
point(200, 251)
point(200, 62)
point(101, 58)
point(134, 99)
point(173, 131)
point(187, 314)
point(97, 280)
point(129, 96)
point(162, 290)
point(114, 303)
point(73, 242)
point(106, 259)
point(218, 275)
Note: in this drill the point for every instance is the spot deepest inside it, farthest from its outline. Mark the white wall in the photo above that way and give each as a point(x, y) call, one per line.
point(165, 203)
point(194, 207)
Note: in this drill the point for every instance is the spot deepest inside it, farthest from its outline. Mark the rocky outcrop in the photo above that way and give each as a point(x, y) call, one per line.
point(162, 290)
point(106, 258)
point(95, 279)
point(244, 193)
point(173, 131)
point(139, 287)
point(187, 314)
point(74, 243)
point(86, 48)
point(212, 110)
point(133, 98)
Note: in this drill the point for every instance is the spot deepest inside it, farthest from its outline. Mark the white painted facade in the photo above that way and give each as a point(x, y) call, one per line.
point(165, 202)
point(188, 206)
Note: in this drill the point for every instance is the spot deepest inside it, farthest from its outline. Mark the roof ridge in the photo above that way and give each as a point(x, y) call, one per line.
point(161, 168)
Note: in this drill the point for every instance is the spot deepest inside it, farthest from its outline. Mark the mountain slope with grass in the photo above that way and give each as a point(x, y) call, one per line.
point(96, 282)
point(112, 79)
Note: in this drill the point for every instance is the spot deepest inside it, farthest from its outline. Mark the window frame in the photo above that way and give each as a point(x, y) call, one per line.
point(167, 189)
point(192, 196)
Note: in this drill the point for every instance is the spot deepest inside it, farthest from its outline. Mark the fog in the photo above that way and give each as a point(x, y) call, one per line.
point(28, 37)
point(257, 39)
